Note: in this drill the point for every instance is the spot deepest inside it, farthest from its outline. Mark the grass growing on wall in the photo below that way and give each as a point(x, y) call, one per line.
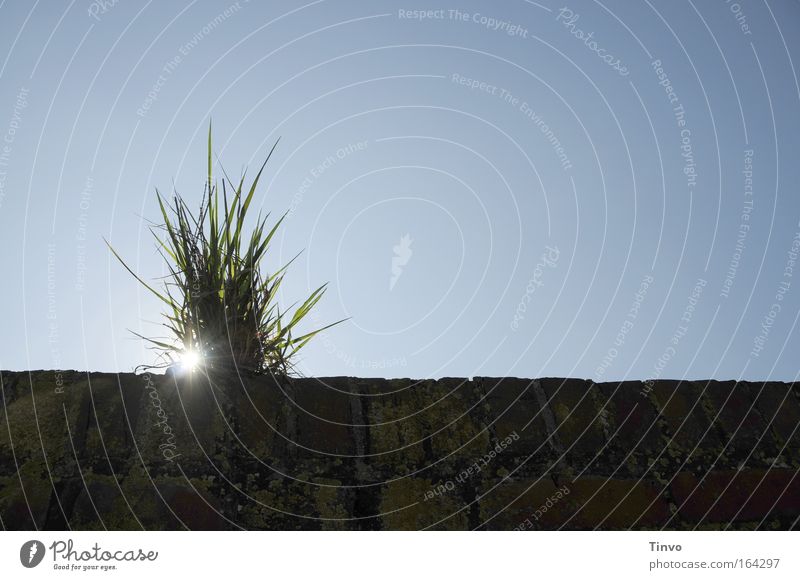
point(222, 310)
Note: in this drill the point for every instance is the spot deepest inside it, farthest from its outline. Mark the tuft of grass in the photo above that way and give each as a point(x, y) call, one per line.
point(221, 310)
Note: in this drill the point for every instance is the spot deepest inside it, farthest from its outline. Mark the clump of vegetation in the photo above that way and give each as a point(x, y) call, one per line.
point(222, 311)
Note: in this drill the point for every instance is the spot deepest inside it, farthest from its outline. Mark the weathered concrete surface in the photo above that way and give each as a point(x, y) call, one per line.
point(94, 451)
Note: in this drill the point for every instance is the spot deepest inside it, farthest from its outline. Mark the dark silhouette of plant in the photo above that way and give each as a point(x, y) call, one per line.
point(222, 311)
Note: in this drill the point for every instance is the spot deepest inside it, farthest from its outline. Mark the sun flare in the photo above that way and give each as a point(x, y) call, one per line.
point(190, 360)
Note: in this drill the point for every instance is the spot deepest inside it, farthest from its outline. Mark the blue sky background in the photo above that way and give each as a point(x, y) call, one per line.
point(384, 134)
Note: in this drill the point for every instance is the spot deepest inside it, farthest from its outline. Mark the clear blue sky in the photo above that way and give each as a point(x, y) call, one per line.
point(595, 189)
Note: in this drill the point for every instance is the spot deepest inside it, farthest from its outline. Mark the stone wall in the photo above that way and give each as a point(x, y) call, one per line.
point(95, 451)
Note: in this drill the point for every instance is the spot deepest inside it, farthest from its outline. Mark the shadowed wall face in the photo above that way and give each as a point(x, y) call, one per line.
point(145, 451)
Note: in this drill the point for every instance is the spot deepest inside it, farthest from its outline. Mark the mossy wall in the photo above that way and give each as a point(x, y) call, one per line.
point(107, 451)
